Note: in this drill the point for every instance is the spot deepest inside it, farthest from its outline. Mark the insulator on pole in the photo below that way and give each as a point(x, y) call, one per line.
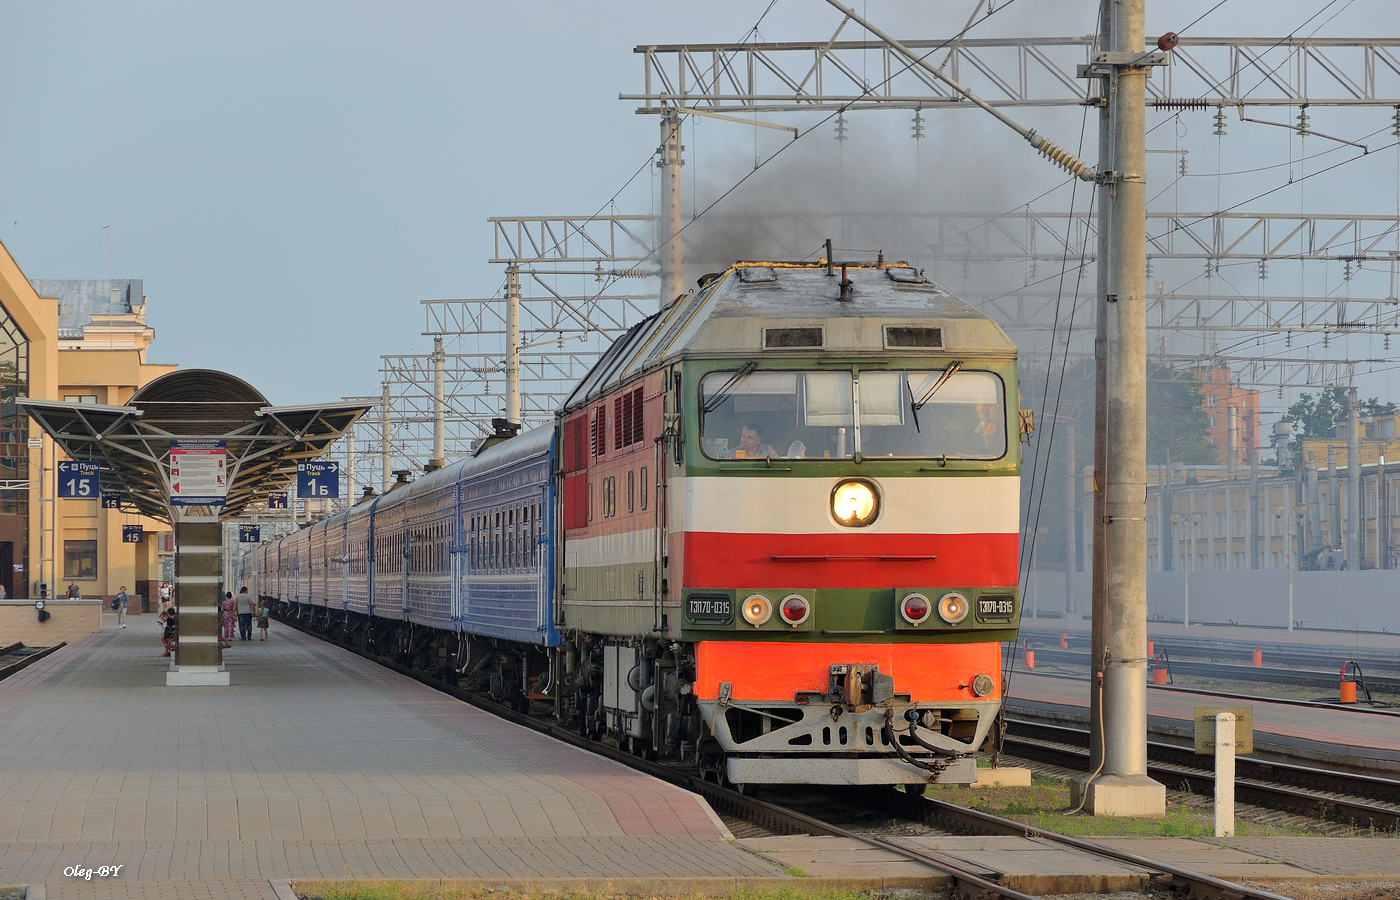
point(841, 127)
point(1396, 129)
point(1219, 121)
point(917, 130)
point(1303, 121)
point(1263, 270)
point(1060, 157)
point(1183, 163)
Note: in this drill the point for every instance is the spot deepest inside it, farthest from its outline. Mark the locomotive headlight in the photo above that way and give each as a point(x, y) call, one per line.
point(757, 610)
point(953, 607)
point(855, 502)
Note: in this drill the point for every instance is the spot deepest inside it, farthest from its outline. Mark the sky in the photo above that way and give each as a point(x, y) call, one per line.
point(290, 180)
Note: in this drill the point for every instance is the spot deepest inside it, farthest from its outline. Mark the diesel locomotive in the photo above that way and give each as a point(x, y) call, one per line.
point(773, 532)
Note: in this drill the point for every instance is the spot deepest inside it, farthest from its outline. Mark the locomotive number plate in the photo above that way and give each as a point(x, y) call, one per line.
point(709, 609)
point(996, 607)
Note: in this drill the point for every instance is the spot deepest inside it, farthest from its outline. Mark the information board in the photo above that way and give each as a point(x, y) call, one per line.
point(277, 501)
point(1205, 729)
point(249, 534)
point(318, 480)
point(78, 481)
point(198, 473)
point(111, 500)
point(132, 534)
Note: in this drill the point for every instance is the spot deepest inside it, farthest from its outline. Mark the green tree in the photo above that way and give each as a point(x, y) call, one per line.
point(1316, 416)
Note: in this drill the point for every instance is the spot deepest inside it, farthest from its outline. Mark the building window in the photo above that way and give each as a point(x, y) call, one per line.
point(80, 398)
point(80, 560)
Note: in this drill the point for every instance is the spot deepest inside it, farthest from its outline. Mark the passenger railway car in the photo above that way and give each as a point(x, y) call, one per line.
point(774, 531)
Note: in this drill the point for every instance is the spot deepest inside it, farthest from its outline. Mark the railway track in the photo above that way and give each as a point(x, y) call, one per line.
point(17, 657)
point(1361, 801)
point(781, 819)
point(1322, 679)
point(1310, 656)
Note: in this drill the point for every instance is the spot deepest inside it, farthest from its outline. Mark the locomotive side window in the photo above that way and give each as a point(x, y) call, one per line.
point(787, 415)
point(643, 479)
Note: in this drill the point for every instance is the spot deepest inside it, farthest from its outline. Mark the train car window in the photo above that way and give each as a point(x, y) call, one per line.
point(590, 501)
point(631, 490)
point(642, 478)
point(902, 415)
point(788, 415)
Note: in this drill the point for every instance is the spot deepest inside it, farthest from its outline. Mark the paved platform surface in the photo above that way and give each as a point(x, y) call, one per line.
point(314, 763)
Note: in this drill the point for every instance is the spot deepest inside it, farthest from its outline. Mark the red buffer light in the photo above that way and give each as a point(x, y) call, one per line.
point(795, 609)
point(916, 609)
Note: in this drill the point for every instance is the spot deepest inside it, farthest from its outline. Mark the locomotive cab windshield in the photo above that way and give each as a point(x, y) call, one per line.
point(806, 414)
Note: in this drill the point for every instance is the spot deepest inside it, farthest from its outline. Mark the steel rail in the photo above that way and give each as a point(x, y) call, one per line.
point(771, 814)
point(1318, 678)
point(1234, 695)
point(1283, 786)
point(29, 660)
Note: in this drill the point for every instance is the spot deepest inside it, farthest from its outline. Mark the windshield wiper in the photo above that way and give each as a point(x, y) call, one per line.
point(949, 372)
point(913, 407)
point(714, 400)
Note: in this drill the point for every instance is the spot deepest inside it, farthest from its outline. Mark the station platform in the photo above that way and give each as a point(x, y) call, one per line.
point(1288, 731)
point(317, 765)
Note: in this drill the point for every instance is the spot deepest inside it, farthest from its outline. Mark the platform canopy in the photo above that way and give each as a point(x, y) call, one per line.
point(132, 443)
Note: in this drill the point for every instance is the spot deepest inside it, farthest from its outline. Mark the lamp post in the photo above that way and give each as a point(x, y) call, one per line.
point(1298, 512)
point(1187, 522)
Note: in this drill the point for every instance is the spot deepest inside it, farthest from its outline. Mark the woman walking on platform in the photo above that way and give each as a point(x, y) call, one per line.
point(228, 609)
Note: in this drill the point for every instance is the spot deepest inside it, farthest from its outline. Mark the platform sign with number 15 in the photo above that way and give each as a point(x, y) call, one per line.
point(318, 480)
point(78, 481)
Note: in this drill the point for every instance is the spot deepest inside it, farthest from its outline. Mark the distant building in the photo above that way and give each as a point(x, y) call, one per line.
point(102, 343)
point(85, 342)
point(1234, 415)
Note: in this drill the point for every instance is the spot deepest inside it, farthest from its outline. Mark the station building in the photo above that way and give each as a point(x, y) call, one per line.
point(78, 341)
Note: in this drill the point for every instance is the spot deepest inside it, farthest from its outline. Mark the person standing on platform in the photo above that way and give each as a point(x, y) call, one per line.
point(262, 620)
point(245, 615)
point(119, 604)
point(228, 610)
point(164, 596)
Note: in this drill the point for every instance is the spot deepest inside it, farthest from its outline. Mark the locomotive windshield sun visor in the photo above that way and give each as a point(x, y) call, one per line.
point(939, 414)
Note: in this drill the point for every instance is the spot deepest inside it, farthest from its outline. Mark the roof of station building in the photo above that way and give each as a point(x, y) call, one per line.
point(733, 312)
point(79, 299)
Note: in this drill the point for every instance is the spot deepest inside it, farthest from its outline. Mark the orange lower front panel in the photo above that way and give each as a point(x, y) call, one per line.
point(929, 673)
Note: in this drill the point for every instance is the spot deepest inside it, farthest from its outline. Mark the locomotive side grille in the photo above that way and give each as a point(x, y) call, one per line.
point(790, 338)
point(905, 336)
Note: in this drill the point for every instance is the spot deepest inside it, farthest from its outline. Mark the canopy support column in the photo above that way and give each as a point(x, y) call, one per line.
point(198, 659)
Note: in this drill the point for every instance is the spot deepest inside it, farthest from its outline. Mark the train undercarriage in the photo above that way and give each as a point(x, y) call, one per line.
point(640, 693)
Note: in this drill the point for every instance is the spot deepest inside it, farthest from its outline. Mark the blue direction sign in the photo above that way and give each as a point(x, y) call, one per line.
point(249, 534)
point(318, 480)
point(111, 500)
point(277, 501)
point(132, 534)
point(78, 481)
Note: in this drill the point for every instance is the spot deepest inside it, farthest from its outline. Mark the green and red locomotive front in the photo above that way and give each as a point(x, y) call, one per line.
point(834, 528)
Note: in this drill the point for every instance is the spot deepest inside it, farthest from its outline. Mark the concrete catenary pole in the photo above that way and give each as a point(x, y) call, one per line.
point(350, 448)
point(439, 407)
point(1356, 530)
point(386, 453)
point(1120, 591)
point(513, 345)
point(1071, 494)
point(668, 224)
point(1334, 500)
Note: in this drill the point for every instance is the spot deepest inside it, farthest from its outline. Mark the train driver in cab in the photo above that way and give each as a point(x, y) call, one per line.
point(751, 445)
